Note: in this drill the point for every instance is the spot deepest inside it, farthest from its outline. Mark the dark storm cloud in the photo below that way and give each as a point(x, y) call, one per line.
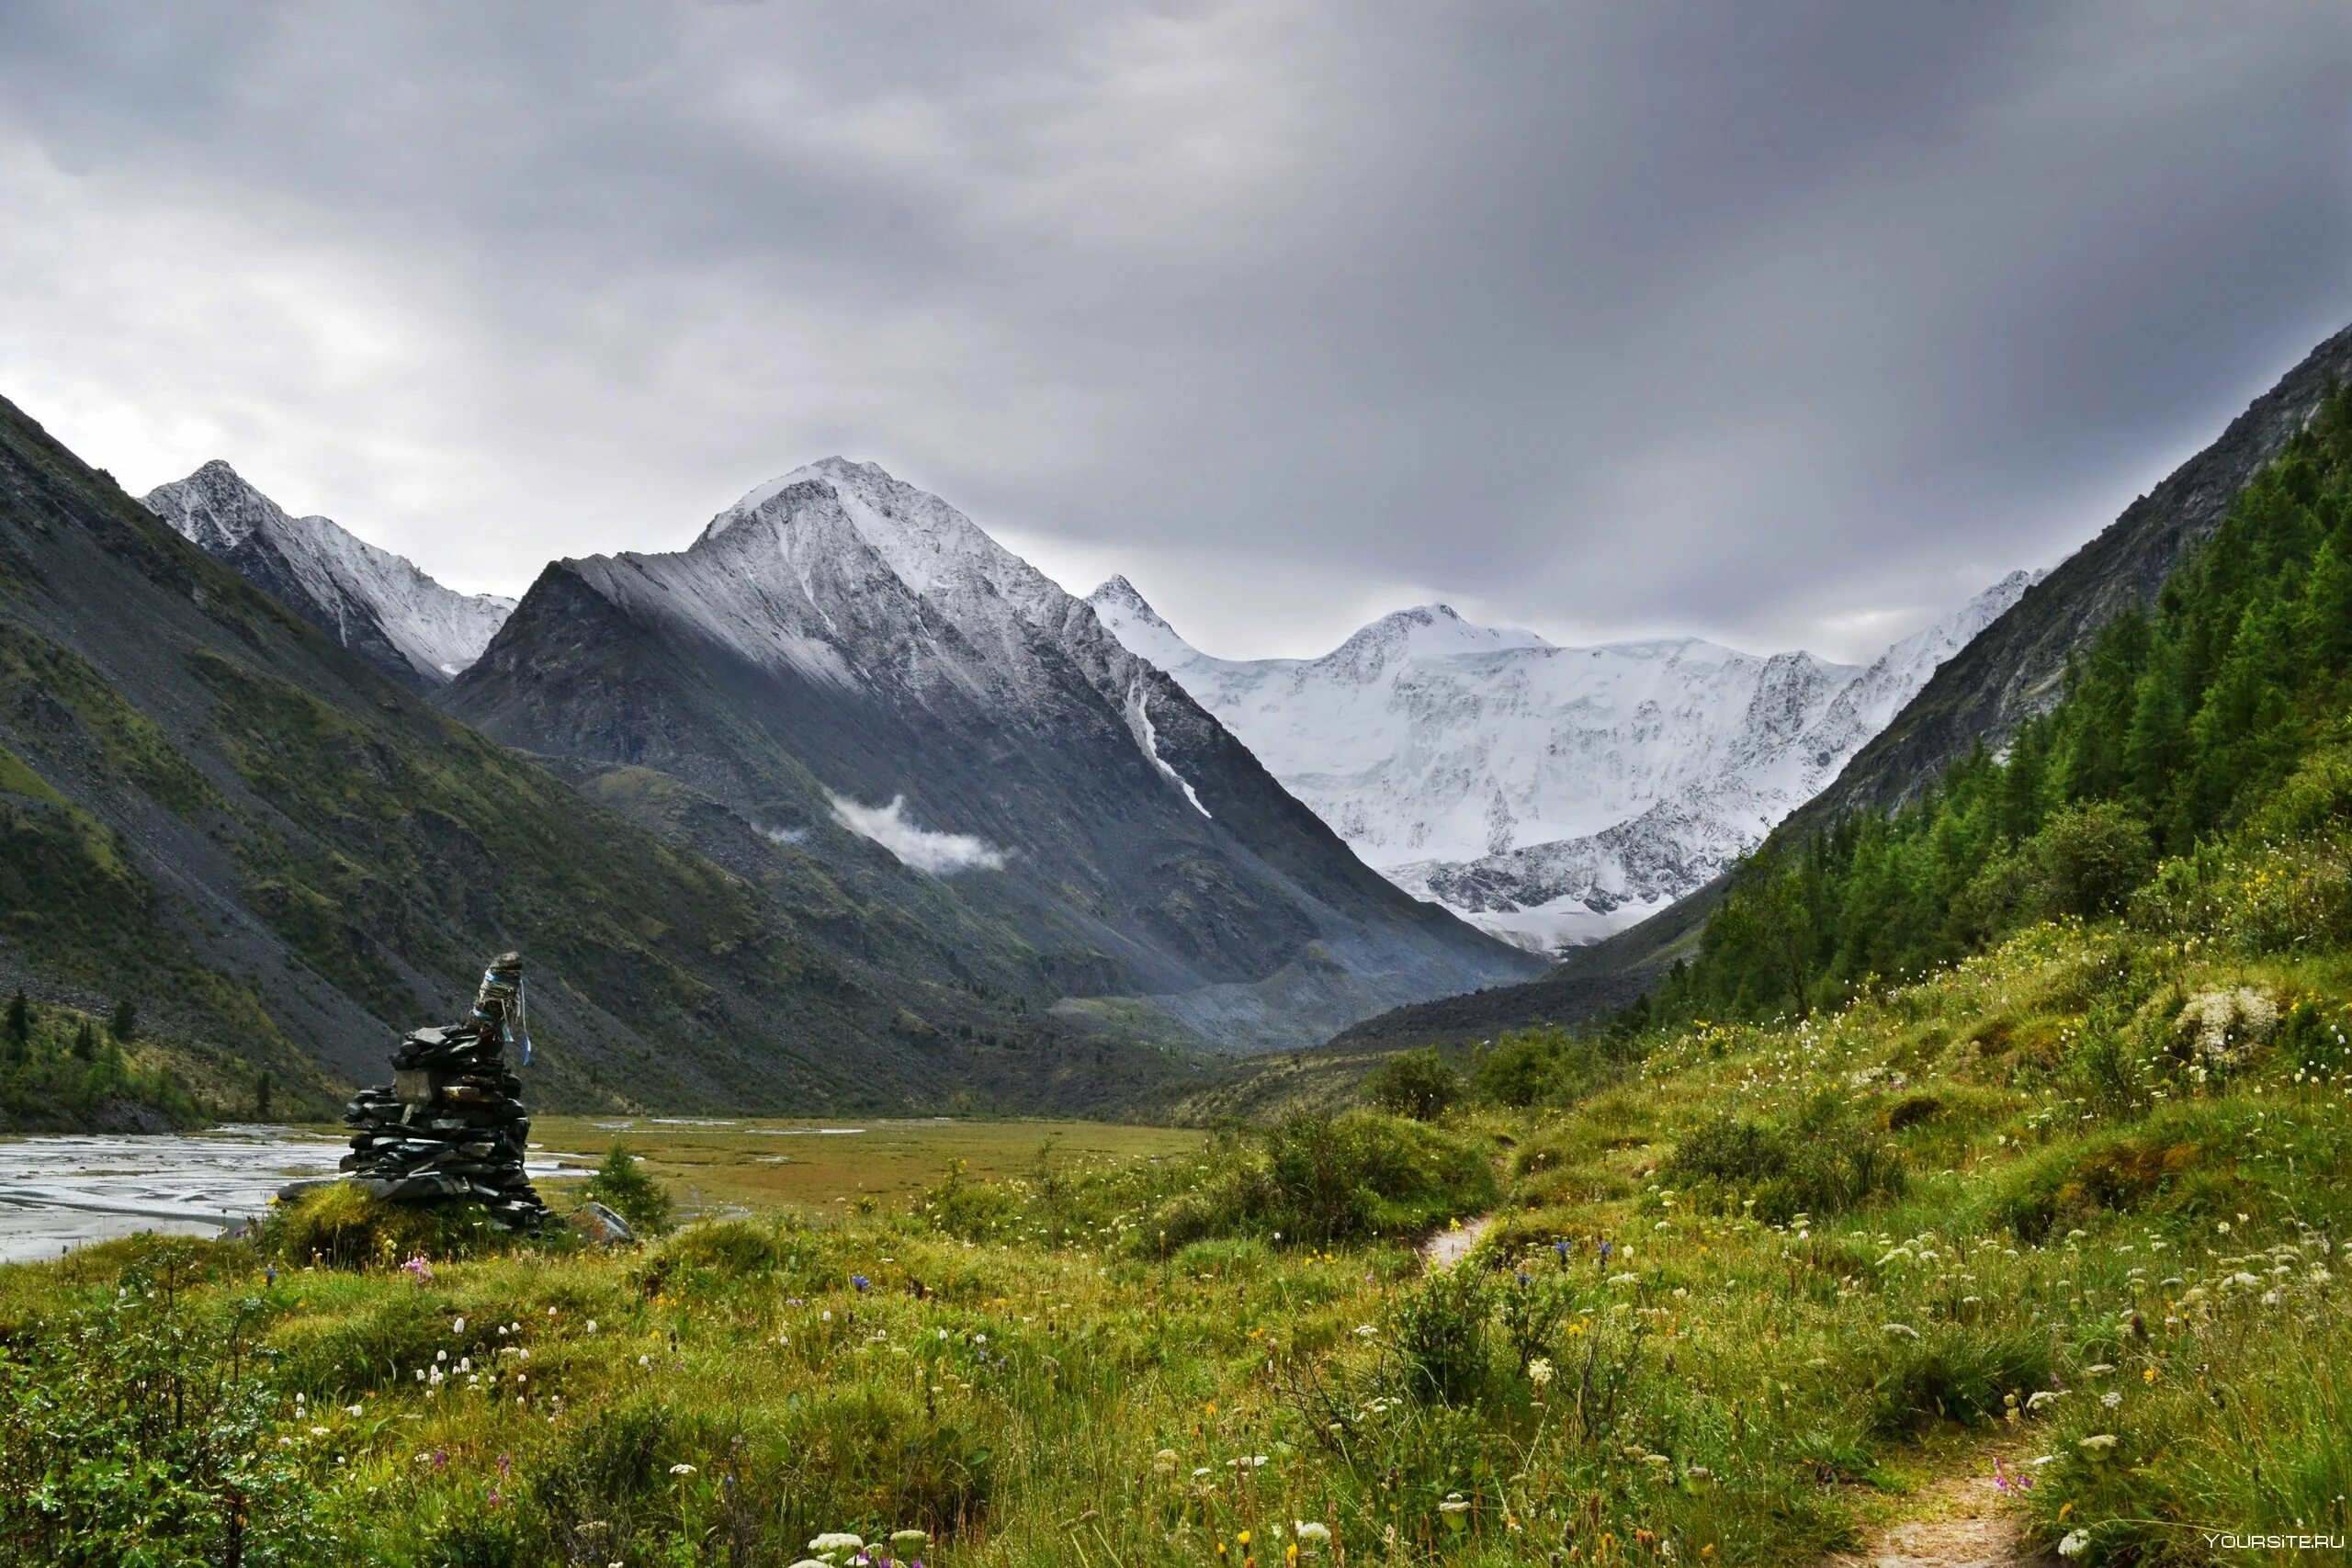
point(1782, 324)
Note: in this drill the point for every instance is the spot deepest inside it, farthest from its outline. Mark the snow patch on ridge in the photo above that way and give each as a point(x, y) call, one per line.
point(938, 854)
point(1140, 721)
point(346, 584)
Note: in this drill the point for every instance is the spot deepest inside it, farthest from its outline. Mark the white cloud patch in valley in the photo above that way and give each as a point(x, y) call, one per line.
point(939, 854)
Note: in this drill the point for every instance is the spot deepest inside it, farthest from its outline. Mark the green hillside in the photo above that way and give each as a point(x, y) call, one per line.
point(2190, 773)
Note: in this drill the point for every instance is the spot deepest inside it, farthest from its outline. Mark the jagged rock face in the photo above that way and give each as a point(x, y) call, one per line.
point(865, 677)
point(372, 602)
point(2017, 669)
point(1551, 794)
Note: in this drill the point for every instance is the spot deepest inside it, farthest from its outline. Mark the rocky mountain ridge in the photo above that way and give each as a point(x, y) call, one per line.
point(858, 670)
point(378, 604)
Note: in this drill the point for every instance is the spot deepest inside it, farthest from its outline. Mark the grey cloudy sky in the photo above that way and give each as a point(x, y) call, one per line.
point(1786, 323)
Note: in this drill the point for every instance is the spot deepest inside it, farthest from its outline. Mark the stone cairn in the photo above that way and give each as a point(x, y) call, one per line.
point(451, 1124)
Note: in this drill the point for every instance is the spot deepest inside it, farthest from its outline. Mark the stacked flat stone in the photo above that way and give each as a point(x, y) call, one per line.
point(450, 1126)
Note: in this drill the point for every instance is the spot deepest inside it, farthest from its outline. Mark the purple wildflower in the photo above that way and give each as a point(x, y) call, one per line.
point(860, 1281)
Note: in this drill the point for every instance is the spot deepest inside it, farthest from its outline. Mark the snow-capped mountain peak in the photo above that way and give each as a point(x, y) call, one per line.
point(1140, 627)
point(376, 604)
point(1550, 794)
point(846, 661)
point(931, 549)
point(1426, 630)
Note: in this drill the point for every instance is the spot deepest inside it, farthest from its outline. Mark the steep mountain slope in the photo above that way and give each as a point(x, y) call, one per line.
point(211, 809)
point(372, 602)
point(2017, 669)
point(1550, 794)
point(855, 670)
point(2010, 673)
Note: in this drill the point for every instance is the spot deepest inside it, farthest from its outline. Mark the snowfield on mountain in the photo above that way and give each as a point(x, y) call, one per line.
point(1550, 794)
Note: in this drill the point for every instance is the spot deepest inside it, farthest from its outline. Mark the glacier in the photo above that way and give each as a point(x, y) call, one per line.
point(1549, 794)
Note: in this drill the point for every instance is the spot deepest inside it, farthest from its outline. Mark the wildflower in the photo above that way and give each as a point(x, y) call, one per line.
point(1365, 1331)
point(592, 1325)
point(835, 1542)
point(1539, 1372)
point(1313, 1534)
point(681, 1469)
point(1164, 1462)
point(2075, 1544)
point(2099, 1446)
point(2110, 1399)
point(1455, 1511)
point(861, 1281)
point(458, 1326)
point(1900, 1330)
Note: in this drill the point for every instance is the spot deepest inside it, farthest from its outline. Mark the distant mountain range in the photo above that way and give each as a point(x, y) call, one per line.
point(1550, 794)
point(372, 602)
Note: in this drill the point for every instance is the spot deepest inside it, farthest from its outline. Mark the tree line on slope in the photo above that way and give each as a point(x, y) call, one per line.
point(2179, 721)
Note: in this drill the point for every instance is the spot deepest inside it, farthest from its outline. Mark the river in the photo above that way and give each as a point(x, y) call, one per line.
point(57, 1193)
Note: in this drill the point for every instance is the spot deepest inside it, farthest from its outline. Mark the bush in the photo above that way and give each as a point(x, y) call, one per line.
point(1546, 1066)
point(1318, 1178)
point(1824, 1162)
point(139, 1430)
point(2089, 859)
point(1440, 1335)
point(1362, 1174)
point(1416, 1084)
point(622, 1185)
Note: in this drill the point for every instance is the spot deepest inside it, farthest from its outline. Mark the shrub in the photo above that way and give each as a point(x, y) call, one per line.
point(622, 1184)
point(1526, 1069)
point(139, 1430)
point(1355, 1176)
point(2090, 857)
point(1416, 1084)
point(1321, 1178)
point(1823, 1162)
point(1439, 1336)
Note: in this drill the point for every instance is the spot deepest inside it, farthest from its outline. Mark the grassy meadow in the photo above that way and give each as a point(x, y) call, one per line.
point(715, 1164)
point(1742, 1294)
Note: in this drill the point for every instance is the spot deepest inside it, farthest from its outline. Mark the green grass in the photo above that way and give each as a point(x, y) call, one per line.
point(1705, 1322)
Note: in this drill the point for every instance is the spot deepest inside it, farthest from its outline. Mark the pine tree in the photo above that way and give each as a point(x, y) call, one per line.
point(262, 1096)
point(20, 1019)
point(86, 1042)
point(125, 1022)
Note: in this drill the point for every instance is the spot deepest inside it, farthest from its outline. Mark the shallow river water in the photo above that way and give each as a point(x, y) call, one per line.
point(57, 1193)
